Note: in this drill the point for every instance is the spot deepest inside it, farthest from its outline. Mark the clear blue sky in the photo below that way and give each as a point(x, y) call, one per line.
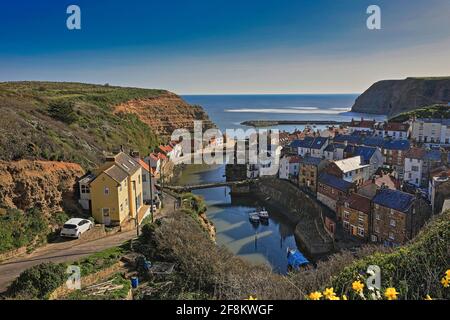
point(209, 46)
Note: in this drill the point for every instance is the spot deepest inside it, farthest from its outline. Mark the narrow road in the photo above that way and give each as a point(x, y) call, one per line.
point(66, 251)
point(69, 250)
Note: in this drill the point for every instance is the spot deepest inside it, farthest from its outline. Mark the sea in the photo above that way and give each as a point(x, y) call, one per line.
point(228, 111)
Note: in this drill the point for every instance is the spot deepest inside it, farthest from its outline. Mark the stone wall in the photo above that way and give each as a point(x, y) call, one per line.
point(302, 210)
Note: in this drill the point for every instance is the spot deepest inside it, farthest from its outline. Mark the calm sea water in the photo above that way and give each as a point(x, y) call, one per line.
point(228, 111)
point(264, 243)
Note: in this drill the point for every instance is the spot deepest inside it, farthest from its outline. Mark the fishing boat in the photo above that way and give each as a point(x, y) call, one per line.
point(263, 214)
point(296, 260)
point(253, 217)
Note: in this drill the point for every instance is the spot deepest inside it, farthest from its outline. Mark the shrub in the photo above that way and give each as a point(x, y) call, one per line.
point(38, 281)
point(63, 111)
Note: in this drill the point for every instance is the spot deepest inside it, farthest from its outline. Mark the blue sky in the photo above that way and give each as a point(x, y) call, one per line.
point(246, 46)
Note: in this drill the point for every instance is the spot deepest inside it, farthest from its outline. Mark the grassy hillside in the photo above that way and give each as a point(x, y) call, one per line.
point(433, 111)
point(69, 121)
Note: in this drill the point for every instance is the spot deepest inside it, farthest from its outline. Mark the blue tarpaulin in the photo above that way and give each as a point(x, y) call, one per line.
point(296, 259)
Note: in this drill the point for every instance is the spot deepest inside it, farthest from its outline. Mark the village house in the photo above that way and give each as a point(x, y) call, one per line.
point(393, 130)
point(380, 180)
point(438, 176)
point(289, 167)
point(348, 139)
point(116, 191)
point(352, 170)
point(85, 191)
point(146, 171)
point(177, 148)
point(310, 146)
point(334, 151)
point(370, 155)
point(394, 152)
point(431, 131)
point(355, 213)
point(332, 189)
point(361, 125)
point(309, 170)
point(167, 150)
point(397, 216)
point(414, 165)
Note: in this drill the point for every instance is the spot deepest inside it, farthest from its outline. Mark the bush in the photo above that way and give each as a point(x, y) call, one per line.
point(100, 260)
point(63, 111)
point(38, 281)
point(18, 229)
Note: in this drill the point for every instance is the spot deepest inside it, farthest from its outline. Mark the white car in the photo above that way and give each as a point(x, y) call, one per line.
point(75, 227)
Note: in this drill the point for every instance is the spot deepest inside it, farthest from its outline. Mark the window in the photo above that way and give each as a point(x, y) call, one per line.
point(346, 225)
point(106, 191)
point(346, 215)
point(377, 207)
point(392, 211)
point(361, 218)
point(360, 232)
point(121, 207)
point(415, 168)
point(374, 238)
point(377, 216)
point(392, 223)
point(144, 178)
point(391, 236)
point(85, 189)
point(377, 229)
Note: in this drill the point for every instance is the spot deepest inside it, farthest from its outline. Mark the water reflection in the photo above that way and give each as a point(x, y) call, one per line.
point(258, 243)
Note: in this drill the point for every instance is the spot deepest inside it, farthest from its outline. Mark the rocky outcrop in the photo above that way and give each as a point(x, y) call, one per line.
point(165, 113)
point(44, 185)
point(391, 97)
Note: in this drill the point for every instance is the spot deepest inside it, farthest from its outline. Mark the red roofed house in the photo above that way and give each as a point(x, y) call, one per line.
point(361, 125)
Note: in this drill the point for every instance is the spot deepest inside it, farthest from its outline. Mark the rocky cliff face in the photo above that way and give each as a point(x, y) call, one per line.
point(391, 97)
point(165, 113)
point(43, 185)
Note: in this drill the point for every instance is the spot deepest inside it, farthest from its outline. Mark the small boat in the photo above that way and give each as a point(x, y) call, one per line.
point(253, 217)
point(263, 214)
point(296, 260)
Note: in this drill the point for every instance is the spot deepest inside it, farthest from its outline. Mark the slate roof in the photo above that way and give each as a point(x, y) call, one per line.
point(397, 145)
point(373, 141)
point(353, 139)
point(394, 199)
point(335, 182)
point(433, 155)
point(311, 160)
point(305, 143)
point(333, 146)
point(126, 163)
point(318, 143)
point(365, 152)
point(349, 164)
point(116, 173)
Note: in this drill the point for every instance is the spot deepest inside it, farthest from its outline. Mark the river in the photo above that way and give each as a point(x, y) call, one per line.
point(257, 244)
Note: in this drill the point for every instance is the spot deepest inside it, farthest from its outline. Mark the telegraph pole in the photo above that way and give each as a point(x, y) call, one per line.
point(151, 187)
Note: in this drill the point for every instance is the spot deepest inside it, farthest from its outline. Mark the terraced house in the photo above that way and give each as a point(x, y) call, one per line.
point(309, 170)
point(397, 216)
point(355, 213)
point(331, 190)
point(116, 191)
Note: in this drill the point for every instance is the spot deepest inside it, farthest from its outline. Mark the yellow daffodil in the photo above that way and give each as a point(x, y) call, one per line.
point(447, 273)
point(358, 286)
point(427, 297)
point(391, 294)
point(445, 281)
point(344, 297)
point(251, 298)
point(334, 298)
point(315, 295)
point(329, 293)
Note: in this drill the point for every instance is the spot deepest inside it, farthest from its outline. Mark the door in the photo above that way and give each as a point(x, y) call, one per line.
point(106, 216)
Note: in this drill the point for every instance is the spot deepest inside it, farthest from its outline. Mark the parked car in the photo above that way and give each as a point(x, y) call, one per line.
point(75, 227)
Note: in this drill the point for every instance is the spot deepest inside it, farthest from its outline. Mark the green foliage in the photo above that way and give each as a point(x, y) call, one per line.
point(82, 124)
point(434, 111)
point(415, 270)
point(63, 111)
point(100, 260)
point(18, 229)
point(38, 281)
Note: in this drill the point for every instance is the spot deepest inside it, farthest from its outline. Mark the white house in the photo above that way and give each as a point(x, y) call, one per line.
point(431, 131)
point(289, 166)
point(371, 156)
point(85, 191)
point(394, 130)
point(313, 146)
point(146, 181)
point(437, 177)
point(413, 168)
point(351, 170)
point(334, 151)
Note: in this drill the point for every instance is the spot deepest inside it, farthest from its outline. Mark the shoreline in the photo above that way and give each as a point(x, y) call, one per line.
point(271, 123)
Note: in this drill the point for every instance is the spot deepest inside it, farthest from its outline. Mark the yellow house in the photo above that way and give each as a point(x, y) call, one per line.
point(116, 192)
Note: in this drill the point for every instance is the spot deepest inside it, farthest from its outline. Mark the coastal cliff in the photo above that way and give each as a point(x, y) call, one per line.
point(392, 97)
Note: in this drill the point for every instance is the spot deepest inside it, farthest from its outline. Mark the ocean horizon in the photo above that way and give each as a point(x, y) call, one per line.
point(228, 111)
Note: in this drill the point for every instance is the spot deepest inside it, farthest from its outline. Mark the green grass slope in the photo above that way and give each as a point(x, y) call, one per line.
point(434, 111)
point(69, 121)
